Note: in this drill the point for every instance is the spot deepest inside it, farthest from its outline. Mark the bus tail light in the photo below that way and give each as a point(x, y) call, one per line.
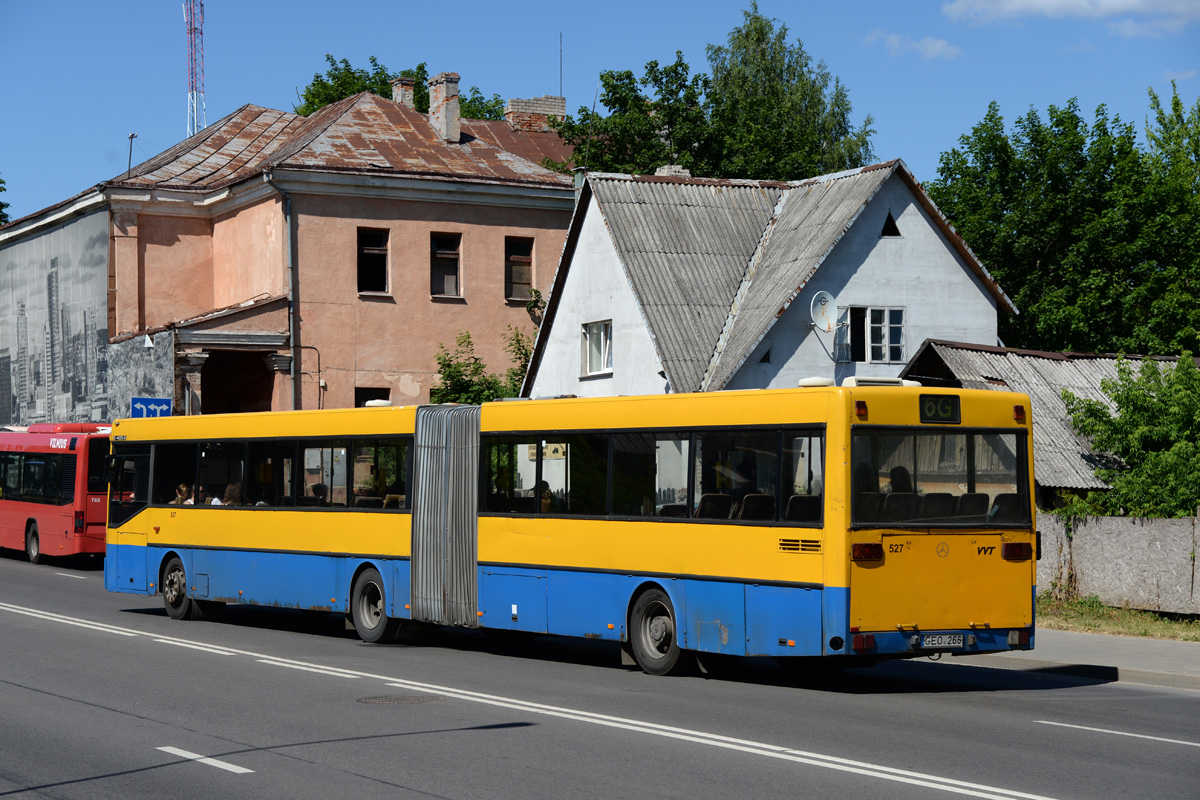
point(860, 408)
point(1017, 551)
point(79, 522)
point(1018, 638)
point(866, 551)
point(1019, 414)
point(863, 641)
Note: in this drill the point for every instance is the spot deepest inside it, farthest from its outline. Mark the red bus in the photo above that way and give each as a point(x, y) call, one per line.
point(53, 492)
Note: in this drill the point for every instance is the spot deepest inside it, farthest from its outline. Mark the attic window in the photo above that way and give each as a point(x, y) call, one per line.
point(890, 229)
point(766, 359)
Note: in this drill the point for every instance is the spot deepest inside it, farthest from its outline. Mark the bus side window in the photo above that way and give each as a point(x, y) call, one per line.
point(508, 474)
point(741, 465)
point(650, 474)
point(131, 489)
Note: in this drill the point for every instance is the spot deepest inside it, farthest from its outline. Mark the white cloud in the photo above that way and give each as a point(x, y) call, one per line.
point(1139, 17)
point(1172, 75)
point(927, 47)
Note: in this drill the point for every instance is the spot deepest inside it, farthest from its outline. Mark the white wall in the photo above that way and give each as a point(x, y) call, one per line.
point(919, 271)
point(596, 290)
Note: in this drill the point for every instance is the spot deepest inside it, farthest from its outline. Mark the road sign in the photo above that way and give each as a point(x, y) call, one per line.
point(150, 407)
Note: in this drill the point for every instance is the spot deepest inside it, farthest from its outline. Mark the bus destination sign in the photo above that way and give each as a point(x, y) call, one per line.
point(941, 408)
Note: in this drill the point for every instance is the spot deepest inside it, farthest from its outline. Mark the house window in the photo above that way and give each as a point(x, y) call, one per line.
point(518, 267)
point(876, 335)
point(365, 394)
point(372, 260)
point(597, 348)
point(443, 260)
point(890, 229)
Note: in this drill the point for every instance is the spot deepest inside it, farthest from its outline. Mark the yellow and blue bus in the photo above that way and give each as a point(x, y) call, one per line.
point(855, 522)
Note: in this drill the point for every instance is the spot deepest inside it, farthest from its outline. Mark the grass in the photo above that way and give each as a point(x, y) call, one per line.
point(1089, 615)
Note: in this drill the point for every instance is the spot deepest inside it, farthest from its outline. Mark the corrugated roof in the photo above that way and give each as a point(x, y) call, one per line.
point(1061, 459)
point(364, 133)
point(685, 245)
point(812, 219)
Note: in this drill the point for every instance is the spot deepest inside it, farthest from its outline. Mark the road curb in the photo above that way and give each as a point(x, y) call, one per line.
point(1097, 672)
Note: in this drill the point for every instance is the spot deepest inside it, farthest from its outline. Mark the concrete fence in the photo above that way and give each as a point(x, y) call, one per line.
point(1140, 563)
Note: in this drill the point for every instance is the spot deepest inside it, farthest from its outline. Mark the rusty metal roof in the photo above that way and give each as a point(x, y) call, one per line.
point(360, 134)
point(1061, 459)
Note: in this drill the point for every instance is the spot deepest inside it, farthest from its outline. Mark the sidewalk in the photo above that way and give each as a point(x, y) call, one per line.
point(1158, 662)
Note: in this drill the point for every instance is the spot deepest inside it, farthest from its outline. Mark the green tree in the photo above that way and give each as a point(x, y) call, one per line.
point(1093, 239)
point(3, 206)
point(343, 80)
point(767, 112)
point(1175, 136)
point(463, 376)
point(1152, 440)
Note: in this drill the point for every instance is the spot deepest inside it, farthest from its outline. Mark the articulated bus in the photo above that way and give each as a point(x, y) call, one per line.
point(53, 494)
point(855, 522)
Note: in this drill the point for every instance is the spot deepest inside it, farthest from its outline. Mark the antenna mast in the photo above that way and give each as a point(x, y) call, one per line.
point(193, 17)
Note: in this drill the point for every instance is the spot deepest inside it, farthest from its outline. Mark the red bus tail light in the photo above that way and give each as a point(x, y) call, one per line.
point(1017, 551)
point(866, 551)
point(860, 408)
point(1019, 414)
point(79, 522)
point(863, 641)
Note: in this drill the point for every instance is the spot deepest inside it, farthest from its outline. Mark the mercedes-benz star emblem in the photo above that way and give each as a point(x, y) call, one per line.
point(943, 549)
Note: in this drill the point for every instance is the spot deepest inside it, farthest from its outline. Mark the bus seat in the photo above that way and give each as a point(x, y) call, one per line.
point(393, 501)
point(866, 506)
point(673, 510)
point(714, 506)
point(1010, 509)
point(898, 507)
point(803, 508)
point(972, 504)
point(757, 506)
point(368, 502)
point(937, 505)
point(308, 500)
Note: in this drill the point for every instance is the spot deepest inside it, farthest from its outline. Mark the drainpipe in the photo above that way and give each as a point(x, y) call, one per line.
point(290, 258)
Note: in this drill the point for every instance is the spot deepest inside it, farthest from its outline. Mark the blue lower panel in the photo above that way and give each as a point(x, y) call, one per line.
point(716, 617)
point(513, 599)
point(783, 621)
point(125, 569)
point(285, 580)
point(591, 604)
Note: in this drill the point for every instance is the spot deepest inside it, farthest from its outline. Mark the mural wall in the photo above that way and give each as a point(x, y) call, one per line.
point(54, 325)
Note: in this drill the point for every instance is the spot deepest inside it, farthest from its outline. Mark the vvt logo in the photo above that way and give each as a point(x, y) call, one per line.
point(986, 551)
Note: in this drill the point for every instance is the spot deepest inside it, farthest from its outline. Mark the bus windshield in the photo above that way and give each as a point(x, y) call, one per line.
point(941, 478)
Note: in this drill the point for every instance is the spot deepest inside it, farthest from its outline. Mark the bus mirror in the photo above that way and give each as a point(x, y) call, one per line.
point(110, 469)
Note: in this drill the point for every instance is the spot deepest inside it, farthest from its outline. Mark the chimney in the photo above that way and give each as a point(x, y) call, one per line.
point(403, 92)
point(673, 171)
point(534, 114)
point(443, 105)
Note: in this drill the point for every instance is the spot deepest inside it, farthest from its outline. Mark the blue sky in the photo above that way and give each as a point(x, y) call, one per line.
point(79, 77)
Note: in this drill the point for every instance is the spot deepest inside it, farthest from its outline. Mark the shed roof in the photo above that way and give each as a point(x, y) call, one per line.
point(1061, 458)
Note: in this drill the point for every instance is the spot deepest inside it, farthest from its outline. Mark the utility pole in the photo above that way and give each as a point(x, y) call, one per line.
point(129, 167)
point(193, 17)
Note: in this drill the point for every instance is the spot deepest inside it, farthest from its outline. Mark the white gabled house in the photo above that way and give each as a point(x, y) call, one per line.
point(679, 284)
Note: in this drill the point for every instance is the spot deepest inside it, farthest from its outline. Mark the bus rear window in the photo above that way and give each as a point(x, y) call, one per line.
point(943, 478)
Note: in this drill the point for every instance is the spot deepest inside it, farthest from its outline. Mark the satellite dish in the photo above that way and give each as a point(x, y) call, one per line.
point(824, 312)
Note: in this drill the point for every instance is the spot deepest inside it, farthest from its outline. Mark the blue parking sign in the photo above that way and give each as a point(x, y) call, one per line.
point(150, 407)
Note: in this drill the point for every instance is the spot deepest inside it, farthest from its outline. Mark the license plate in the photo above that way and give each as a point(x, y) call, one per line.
point(942, 640)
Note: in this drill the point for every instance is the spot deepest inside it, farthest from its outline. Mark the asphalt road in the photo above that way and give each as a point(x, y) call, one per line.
point(102, 695)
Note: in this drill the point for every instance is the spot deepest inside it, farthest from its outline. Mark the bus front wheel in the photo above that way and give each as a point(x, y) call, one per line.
point(33, 545)
point(174, 590)
point(368, 609)
point(653, 633)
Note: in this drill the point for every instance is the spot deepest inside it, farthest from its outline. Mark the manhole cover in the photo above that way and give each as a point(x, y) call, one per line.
point(397, 700)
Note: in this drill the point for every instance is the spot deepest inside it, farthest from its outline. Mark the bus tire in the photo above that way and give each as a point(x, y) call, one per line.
point(368, 609)
point(653, 633)
point(174, 590)
point(33, 545)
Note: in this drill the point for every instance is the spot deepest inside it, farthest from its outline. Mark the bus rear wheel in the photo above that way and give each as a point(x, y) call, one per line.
point(368, 609)
point(174, 590)
point(652, 632)
point(33, 545)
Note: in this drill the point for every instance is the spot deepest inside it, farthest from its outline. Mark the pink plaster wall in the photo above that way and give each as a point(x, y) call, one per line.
point(248, 254)
point(175, 259)
point(391, 340)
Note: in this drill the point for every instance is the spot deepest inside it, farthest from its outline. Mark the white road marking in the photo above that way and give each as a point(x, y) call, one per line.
point(69, 575)
point(96, 626)
point(212, 762)
point(699, 737)
point(206, 648)
point(322, 670)
point(1118, 733)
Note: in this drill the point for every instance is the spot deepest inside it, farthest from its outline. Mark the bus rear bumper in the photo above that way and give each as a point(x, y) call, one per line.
point(916, 643)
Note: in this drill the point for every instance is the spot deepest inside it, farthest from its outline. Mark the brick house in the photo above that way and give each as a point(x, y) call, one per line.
point(274, 261)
